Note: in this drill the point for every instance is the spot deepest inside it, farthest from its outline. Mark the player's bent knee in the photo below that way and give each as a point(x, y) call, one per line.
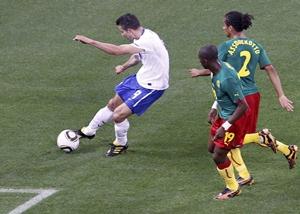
point(117, 117)
point(111, 105)
point(210, 147)
point(215, 158)
point(219, 158)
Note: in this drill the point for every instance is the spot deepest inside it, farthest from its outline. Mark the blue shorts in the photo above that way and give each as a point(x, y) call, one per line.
point(137, 98)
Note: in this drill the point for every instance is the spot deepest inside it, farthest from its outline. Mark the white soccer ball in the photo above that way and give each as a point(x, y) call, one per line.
point(68, 141)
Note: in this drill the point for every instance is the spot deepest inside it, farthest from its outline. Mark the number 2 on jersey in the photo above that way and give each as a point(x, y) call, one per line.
point(243, 72)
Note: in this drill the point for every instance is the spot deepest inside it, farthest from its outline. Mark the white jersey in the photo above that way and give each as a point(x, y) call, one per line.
point(154, 73)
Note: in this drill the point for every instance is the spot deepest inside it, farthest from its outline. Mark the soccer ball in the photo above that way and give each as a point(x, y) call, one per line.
point(68, 141)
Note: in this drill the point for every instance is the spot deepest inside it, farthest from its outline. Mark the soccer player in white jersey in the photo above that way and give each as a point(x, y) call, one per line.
point(136, 93)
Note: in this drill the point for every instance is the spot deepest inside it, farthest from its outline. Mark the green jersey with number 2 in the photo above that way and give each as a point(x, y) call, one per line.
point(244, 54)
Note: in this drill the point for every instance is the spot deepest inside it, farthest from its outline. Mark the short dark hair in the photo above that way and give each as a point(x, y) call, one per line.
point(128, 21)
point(238, 20)
point(208, 52)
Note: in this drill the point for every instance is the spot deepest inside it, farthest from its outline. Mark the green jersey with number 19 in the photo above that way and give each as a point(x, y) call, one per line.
point(227, 90)
point(244, 54)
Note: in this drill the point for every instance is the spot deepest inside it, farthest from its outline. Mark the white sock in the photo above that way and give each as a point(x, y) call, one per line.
point(121, 130)
point(103, 116)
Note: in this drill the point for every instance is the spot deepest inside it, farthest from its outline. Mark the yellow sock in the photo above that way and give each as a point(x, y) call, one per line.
point(228, 175)
point(282, 148)
point(251, 138)
point(237, 161)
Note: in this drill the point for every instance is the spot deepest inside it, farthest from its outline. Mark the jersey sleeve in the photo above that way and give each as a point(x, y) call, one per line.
point(263, 59)
point(222, 52)
point(233, 89)
point(142, 44)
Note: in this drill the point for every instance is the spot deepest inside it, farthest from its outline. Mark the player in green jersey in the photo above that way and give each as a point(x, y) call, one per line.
point(228, 130)
point(244, 55)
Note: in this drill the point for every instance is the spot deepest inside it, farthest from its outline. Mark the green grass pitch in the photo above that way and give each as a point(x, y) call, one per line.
point(49, 83)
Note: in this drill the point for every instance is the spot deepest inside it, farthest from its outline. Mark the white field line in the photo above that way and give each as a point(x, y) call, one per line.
point(42, 194)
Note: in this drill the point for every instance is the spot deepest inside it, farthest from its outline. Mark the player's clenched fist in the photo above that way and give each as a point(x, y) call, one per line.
point(82, 39)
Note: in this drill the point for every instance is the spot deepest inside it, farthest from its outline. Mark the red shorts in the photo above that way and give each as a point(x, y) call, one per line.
point(253, 101)
point(234, 136)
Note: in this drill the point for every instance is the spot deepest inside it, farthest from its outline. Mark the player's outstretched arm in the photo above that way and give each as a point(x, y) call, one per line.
point(275, 80)
point(132, 61)
point(194, 72)
point(108, 47)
